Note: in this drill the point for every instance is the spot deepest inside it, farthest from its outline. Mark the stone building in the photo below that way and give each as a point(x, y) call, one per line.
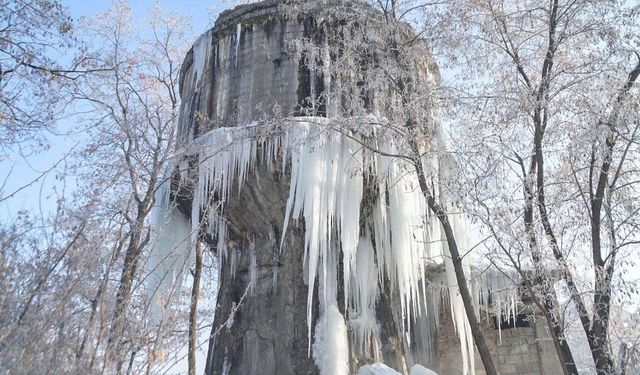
point(310, 65)
point(523, 347)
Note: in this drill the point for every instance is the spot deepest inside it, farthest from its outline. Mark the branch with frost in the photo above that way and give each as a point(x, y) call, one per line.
point(214, 334)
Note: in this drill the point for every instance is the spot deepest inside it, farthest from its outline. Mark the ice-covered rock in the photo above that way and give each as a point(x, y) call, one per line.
point(382, 369)
point(421, 370)
point(377, 369)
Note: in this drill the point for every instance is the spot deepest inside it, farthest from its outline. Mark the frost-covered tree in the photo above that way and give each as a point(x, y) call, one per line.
point(40, 55)
point(134, 109)
point(33, 34)
point(542, 103)
point(74, 300)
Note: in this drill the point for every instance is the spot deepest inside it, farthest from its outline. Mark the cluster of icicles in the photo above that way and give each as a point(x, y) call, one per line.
point(328, 170)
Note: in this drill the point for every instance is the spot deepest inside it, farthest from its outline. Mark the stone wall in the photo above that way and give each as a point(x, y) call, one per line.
point(265, 62)
point(516, 351)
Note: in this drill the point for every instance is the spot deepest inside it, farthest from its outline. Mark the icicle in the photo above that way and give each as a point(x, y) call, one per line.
point(233, 265)
point(404, 235)
point(364, 295)
point(331, 346)
point(201, 53)
point(170, 249)
point(327, 172)
point(326, 189)
point(222, 240)
point(237, 43)
point(226, 366)
point(348, 197)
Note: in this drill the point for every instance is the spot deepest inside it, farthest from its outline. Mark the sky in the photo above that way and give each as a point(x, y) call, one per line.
point(41, 193)
point(198, 10)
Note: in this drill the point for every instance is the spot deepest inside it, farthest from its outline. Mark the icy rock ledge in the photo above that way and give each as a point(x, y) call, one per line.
point(420, 370)
point(382, 369)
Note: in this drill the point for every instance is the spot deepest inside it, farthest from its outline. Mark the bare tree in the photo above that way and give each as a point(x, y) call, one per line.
point(136, 104)
point(126, 86)
point(39, 56)
point(539, 76)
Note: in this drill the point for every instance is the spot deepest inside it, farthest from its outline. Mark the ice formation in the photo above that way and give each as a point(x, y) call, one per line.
point(331, 346)
point(171, 241)
point(201, 52)
point(331, 174)
point(382, 369)
point(363, 299)
point(377, 369)
point(237, 42)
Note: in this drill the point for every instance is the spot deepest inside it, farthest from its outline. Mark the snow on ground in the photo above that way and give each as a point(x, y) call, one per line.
point(382, 369)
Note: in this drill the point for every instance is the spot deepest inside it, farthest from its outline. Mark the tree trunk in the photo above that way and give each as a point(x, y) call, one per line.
point(443, 216)
point(193, 313)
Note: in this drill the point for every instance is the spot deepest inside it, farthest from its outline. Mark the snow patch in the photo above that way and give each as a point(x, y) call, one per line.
point(382, 369)
point(377, 369)
point(420, 370)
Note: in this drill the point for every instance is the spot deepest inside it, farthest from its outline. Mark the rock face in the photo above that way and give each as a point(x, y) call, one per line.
point(275, 60)
point(268, 332)
point(263, 62)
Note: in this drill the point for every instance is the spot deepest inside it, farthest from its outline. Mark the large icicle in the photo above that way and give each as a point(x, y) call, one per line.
point(171, 249)
point(331, 346)
point(201, 54)
point(326, 189)
point(364, 294)
point(406, 236)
